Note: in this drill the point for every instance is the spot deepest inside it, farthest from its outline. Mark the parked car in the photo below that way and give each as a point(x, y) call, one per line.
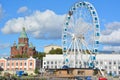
point(88, 78)
point(102, 78)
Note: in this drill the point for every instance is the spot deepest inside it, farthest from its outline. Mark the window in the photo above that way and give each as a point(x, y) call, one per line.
point(51, 66)
point(24, 68)
point(1, 64)
point(118, 67)
point(44, 66)
point(31, 64)
point(114, 72)
point(80, 62)
point(105, 67)
point(8, 64)
point(110, 63)
point(55, 67)
point(52, 48)
point(12, 63)
point(76, 62)
point(96, 62)
point(51, 62)
point(114, 63)
point(21, 64)
point(44, 63)
point(55, 62)
point(110, 73)
point(109, 67)
point(16, 63)
point(119, 72)
point(47, 62)
point(25, 63)
point(69, 72)
point(80, 72)
point(101, 62)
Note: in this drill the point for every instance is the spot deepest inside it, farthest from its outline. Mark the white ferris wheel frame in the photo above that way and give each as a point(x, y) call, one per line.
point(75, 39)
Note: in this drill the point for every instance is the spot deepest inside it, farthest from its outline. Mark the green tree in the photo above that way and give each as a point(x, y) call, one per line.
point(21, 56)
point(36, 71)
point(58, 51)
point(55, 51)
point(25, 55)
point(40, 55)
point(17, 56)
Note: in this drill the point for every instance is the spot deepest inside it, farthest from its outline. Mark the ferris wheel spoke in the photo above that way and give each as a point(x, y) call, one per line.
point(72, 26)
point(69, 33)
point(85, 50)
point(79, 46)
point(68, 49)
point(85, 44)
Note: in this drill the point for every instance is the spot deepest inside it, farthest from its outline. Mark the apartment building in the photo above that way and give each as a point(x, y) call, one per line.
point(12, 65)
point(108, 62)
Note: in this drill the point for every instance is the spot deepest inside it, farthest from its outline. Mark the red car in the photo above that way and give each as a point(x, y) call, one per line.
point(102, 78)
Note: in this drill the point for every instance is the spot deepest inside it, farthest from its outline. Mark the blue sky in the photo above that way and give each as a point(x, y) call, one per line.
point(13, 11)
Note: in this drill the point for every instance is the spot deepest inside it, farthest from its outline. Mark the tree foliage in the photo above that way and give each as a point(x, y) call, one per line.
point(21, 56)
point(36, 71)
point(55, 51)
point(39, 55)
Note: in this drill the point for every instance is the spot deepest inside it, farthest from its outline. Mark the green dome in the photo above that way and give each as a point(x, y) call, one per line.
point(23, 33)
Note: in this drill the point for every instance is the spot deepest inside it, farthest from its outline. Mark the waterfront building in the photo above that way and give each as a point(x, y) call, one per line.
point(109, 62)
point(50, 47)
point(11, 65)
point(23, 47)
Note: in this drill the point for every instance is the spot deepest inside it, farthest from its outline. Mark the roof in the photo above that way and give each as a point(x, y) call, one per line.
point(72, 69)
point(52, 45)
point(17, 58)
point(31, 45)
point(21, 44)
point(23, 33)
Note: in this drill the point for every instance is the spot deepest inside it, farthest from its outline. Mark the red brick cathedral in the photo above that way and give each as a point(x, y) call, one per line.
point(23, 47)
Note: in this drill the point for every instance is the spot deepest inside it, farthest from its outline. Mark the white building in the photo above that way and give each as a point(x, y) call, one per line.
point(50, 47)
point(109, 62)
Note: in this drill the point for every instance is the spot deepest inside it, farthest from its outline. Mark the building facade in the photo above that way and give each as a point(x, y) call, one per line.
point(23, 47)
point(108, 62)
point(11, 65)
point(50, 47)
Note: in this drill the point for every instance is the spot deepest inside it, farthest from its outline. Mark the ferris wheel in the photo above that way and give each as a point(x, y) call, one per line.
point(80, 35)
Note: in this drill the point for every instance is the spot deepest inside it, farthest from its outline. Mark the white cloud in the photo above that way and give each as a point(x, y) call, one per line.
point(112, 48)
point(112, 34)
point(44, 25)
point(110, 27)
point(3, 46)
point(1, 11)
point(22, 9)
point(110, 37)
